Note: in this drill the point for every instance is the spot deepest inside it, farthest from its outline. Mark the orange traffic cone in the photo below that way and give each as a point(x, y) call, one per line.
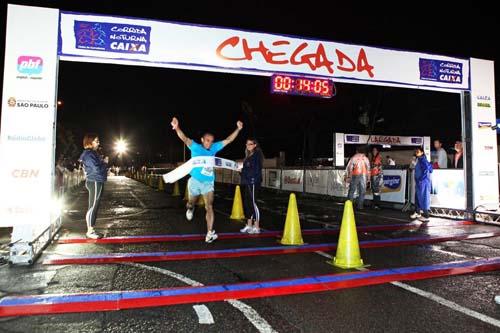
point(292, 235)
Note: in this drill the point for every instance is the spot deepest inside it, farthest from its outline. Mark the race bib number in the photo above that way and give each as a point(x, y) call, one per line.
point(207, 171)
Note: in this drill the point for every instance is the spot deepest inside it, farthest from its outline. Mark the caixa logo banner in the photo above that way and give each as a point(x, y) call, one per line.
point(112, 37)
point(392, 183)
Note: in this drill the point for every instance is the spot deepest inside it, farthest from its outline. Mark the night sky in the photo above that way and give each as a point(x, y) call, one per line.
point(138, 102)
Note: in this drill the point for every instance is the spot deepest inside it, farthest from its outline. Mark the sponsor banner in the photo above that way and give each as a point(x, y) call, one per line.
point(337, 186)
point(484, 139)
point(100, 38)
point(112, 37)
point(448, 188)
point(384, 140)
point(292, 180)
point(441, 71)
point(338, 149)
point(273, 178)
point(394, 189)
point(28, 115)
point(317, 181)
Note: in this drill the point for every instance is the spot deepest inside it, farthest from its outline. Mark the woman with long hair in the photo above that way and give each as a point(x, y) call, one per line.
point(96, 171)
point(251, 178)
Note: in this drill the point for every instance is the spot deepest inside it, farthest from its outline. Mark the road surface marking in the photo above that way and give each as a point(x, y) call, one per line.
point(255, 319)
point(204, 314)
point(435, 298)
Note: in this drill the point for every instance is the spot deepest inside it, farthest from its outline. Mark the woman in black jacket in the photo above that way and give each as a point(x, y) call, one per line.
point(96, 172)
point(251, 178)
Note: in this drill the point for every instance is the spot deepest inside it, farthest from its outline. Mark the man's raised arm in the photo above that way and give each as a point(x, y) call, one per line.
point(180, 133)
point(230, 138)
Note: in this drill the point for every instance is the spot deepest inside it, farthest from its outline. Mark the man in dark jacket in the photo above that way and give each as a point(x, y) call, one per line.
point(423, 170)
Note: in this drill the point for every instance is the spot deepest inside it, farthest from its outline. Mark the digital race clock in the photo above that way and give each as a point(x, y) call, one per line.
point(300, 85)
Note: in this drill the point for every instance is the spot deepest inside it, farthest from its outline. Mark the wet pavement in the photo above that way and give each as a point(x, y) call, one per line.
point(462, 303)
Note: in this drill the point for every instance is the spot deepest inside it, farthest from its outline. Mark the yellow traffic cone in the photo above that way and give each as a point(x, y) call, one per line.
point(176, 192)
point(347, 255)
point(237, 211)
point(292, 235)
point(161, 186)
point(150, 180)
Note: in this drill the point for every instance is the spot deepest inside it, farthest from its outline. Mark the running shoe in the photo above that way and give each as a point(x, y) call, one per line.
point(247, 228)
point(415, 216)
point(189, 213)
point(254, 230)
point(93, 235)
point(211, 236)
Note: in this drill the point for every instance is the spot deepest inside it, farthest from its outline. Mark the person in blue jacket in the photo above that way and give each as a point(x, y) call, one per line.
point(251, 178)
point(96, 171)
point(423, 170)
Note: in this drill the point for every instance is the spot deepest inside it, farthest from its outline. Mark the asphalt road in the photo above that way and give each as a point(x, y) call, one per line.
point(461, 303)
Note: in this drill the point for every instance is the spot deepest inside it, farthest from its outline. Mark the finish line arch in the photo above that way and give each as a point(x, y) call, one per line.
point(37, 38)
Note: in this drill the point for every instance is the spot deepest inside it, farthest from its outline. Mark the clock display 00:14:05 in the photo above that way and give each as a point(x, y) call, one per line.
point(302, 86)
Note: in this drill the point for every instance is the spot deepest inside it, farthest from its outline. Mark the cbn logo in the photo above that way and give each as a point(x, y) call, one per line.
point(29, 65)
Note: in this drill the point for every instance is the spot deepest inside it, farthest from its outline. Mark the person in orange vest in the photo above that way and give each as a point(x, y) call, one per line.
point(358, 173)
point(377, 176)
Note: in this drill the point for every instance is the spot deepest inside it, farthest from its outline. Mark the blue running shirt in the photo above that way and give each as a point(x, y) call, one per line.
point(204, 174)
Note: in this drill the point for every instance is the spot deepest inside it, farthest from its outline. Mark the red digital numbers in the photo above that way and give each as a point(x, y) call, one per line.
point(301, 86)
point(282, 83)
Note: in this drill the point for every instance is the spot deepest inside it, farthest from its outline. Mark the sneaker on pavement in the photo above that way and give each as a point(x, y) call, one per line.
point(423, 218)
point(254, 230)
point(93, 235)
point(211, 236)
point(415, 216)
point(189, 213)
point(247, 228)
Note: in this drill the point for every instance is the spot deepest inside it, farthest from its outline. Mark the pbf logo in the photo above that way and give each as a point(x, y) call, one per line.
point(29, 65)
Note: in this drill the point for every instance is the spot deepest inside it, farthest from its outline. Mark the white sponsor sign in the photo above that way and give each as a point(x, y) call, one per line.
point(273, 178)
point(484, 139)
point(394, 189)
point(144, 42)
point(317, 181)
point(28, 115)
point(337, 186)
point(448, 189)
point(338, 149)
point(292, 180)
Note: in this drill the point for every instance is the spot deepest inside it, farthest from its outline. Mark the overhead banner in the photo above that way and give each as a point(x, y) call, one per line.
point(112, 39)
point(27, 137)
point(356, 139)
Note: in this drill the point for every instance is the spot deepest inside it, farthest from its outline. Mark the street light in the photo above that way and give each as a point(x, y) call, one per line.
point(120, 146)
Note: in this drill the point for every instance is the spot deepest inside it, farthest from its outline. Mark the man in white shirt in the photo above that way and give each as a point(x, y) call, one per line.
point(441, 157)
